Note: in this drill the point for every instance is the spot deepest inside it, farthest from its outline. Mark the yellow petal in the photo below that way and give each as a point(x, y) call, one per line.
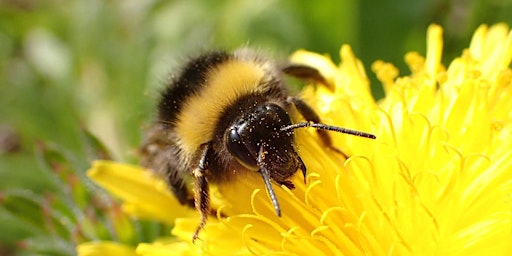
point(144, 195)
point(104, 248)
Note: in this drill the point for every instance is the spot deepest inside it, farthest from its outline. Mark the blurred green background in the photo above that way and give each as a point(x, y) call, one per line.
point(75, 71)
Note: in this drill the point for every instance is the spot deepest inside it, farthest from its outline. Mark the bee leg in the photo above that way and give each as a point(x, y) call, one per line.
point(202, 198)
point(309, 114)
point(290, 184)
point(180, 191)
point(306, 73)
point(287, 184)
point(302, 167)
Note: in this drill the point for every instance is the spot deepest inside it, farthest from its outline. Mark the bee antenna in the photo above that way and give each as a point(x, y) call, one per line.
point(266, 178)
point(328, 128)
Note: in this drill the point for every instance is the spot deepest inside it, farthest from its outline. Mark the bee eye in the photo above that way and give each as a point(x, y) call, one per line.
point(239, 150)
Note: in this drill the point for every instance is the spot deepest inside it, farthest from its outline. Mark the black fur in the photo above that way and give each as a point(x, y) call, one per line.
point(190, 81)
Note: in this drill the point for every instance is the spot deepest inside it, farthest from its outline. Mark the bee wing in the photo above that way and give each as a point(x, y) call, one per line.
point(155, 148)
point(159, 154)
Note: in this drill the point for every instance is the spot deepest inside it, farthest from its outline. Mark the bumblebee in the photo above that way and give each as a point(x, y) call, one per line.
point(225, 114)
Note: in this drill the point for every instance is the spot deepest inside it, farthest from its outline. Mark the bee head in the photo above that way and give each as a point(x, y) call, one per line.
point(256, 140)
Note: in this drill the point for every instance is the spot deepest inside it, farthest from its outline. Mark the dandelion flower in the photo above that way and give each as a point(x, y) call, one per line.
point(438, 179)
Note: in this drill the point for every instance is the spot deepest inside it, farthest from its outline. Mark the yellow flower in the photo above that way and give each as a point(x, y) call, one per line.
point(144, 195)
point(437, 181)
point(104, 248)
